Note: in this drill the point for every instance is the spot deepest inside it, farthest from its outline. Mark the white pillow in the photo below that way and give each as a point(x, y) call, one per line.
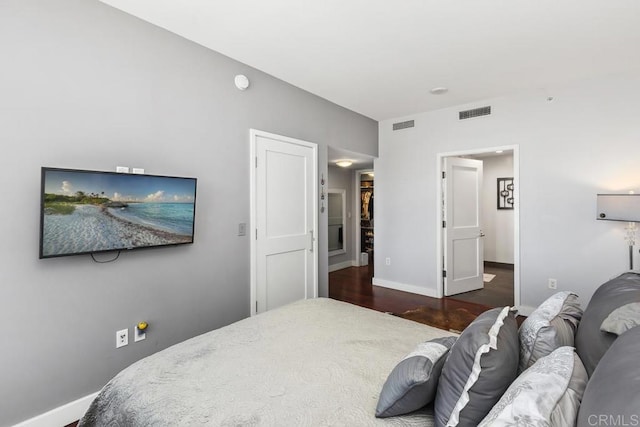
point(622, 319)
point(546, 394)
point(553, 324)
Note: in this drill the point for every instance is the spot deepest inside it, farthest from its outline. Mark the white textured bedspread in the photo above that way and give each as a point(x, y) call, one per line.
point(317, 362)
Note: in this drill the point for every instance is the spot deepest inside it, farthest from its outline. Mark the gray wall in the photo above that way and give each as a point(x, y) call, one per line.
point(83, 85)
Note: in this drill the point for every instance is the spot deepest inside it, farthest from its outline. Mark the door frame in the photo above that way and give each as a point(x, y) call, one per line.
point(253, 279)
point(516, 215)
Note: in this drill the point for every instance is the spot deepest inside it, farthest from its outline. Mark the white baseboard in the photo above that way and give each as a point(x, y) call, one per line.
point(404, 287)
point(341, 265)
point(62, 415)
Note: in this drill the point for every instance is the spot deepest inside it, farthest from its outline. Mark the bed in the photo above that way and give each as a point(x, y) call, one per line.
point(316, 362)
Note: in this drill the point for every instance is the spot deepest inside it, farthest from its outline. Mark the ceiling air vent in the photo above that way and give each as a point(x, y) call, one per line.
point(476, 112)
point(403, 125)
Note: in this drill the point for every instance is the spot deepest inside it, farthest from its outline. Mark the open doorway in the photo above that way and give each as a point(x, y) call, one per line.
point(352, 281)
point(345, 170)
point(498, 235)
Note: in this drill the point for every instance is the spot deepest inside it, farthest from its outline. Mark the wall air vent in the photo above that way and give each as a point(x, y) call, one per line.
point(476, 112)
point(403, 125)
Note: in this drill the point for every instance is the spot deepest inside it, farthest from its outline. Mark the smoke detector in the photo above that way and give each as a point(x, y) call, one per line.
point(241, 81)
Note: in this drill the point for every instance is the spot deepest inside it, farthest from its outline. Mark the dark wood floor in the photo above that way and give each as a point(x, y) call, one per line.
point(354, 285)
point(496, 293)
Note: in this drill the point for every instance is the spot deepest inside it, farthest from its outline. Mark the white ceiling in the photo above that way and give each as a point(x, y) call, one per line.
point(381, 57)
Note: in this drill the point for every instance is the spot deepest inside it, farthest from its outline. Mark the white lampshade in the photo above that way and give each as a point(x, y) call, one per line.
point(619, 207)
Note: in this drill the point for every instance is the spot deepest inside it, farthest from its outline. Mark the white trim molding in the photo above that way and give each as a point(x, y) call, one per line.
point(419, 290)
point(62, 415)
point(341, 265)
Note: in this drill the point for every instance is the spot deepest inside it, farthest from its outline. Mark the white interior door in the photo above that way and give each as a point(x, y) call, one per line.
point(463, 246)
point(284, 193)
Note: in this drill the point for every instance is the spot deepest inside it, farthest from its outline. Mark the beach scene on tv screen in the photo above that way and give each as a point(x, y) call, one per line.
point(92, 211)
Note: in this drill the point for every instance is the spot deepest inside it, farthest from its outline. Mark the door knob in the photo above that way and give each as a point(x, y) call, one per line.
point(481, 234)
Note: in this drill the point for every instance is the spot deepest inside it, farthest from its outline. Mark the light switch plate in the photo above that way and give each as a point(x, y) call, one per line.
point(138, 335)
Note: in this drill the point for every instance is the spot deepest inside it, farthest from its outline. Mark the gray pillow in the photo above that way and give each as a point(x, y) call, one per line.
point(413, 382)
point(591, 342)
point(622, 319)
point(553, 324)
point(546, 394)
point(481, 365)
point(612, 396)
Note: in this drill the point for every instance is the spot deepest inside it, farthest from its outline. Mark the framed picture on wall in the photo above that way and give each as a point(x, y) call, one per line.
point(505, 193)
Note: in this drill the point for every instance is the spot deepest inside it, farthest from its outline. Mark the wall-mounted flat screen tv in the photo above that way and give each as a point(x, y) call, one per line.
point(86, 212)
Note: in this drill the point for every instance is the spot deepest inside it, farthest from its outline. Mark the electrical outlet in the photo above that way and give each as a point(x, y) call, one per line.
point(553, 284)
point(387, 261)
point(122, 169)
point(242, 229)
point(122, 338)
